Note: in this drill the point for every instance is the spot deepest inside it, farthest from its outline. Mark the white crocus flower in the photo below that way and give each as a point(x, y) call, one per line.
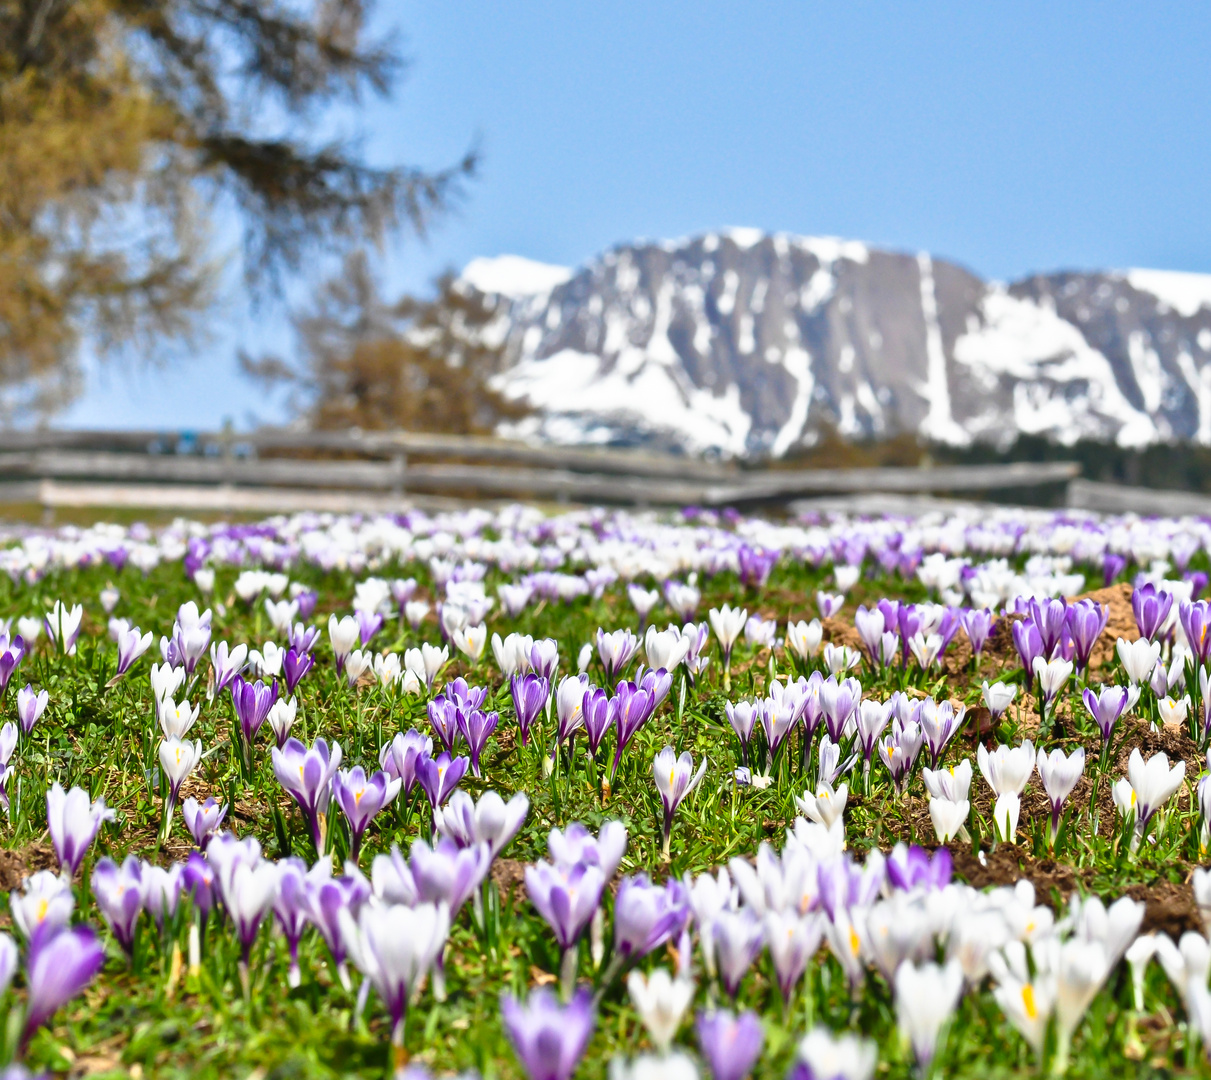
point(949, 818)
point(826, 806)
point(1174, 713)
point(998, 696)
point(926, 998)
point(1026, 1000)
point(1138, 658)
point(665, 648)
point(840, 1057)
point(166, 681)
point(471, 641)
point(661, 1002)
point(1007, 769)
point(952, 784)
point(803, 639)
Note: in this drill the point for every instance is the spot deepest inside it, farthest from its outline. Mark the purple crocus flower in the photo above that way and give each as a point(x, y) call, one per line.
point(306, 600)
point(1151, 607)
point(743, 717)
point(1049, 617)
point(838, 700)
point(630, 708)
point(1028, 642)
point(203, 820)
point(1107, 705)
point(360, 798)
point(249, 898)
point(369, 623)
point(530, 693)
point(307, 777)
point(646, 915)
point(1195, 618)
point(978, 625)
point(11, 654)
point(566, 897)
point(755, 565)
point(295, 665)
point(737, 938)
point(1112, 565)
point(730, 1044)
point(198, 880)
point(548, 1038)
point(443, 717)
point(1086, 619)
point(939, 721)
point(303, 638)
point(327, 897)
point(447, 873)
point(118, 891)
point(401, 756)
point(439, 776)
point(60, 964)
point(30, 707)
point(576, 844)
point(161, 891)
point(73, 821)
point(597, 717)
point(131, 645)
point(252, 703)
point(477, 727)
point(657, 682)
point(909, 867)
point(290, 908)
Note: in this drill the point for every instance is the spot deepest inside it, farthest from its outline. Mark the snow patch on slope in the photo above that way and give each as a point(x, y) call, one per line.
point(514, 276)
point(1184, 293)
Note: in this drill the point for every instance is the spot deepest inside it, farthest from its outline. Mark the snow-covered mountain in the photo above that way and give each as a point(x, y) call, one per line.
point(749, 343)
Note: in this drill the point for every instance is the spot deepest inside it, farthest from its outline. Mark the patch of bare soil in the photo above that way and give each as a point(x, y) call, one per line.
point(16, 864)
point(1120, 621)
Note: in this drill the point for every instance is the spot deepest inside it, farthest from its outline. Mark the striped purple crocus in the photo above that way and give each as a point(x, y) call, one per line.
point(60, 964)
point(1195, 618)
point(401, 758)
point(1151, 607)
point(360, 798)
point(307, 777)
point(730, 1043)
point(1086, 619)
point(295, 665)
point(118, 891)
point(476, 727)
point(548, 1038)
point(73, 821)
point(529, 693)
point(439, 776)
point(631, 708)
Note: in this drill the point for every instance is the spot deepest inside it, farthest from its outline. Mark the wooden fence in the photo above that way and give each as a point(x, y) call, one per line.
point(280, 470)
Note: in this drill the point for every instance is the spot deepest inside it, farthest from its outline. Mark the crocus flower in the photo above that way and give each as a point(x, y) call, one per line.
point(30, 707)
point(736, 941)
point(616, 650)
point(161, 891)
point(401, 756)
point(203, 820)
point(295, 665)
point(73, 822)
point(1138, 658)
point(63, 626)
point(728, 623)
point(1107, 705)
point(343, 634)
point(1151, 607)
point(1086, 619)
point(631, 708)
point(360, 798)
point(529, 693)
point(793, 939)
point(1195, 618)
point(130, 647)
point(491, 820)
point(998, 697)
point(198, 880)
point(252, 703)
point(939, 721)
point(44, 897)
point(838, 700)
point(118, 892)
point(176, 720)
point(661, 1002)
point(447, 873)
point(512, 652)
point(548, 1038)
point(742, 716)
point(326, 898)
point(226, 664)
point(391, 878)
point(307, 777)
point(566, 897)
point(249, 898)
point(1049, 617)
point(804, 639)
point(60, 964)
point(978, 625)
point(11, 654)
point(899, 750)
point(1153, 782)
point(646, 916)
point(282, 714)
point(291, 910)
point(477, 727)
point(395, 947)
point(439, 776)
point(675, 779)
point(178, 758)
point(1051, 675)
point(576, 844)
point(443, 718)
point(544, 658)
point(665, 648)
point(730, 1043)
point(927, 996)
point(1028, 642)
point(826, 806)
point(596, 716)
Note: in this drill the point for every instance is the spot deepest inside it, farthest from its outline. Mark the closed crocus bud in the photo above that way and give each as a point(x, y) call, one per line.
point(730, 1043)
point(926, 998)
point(949, 818)
point(73, 822)
point(1138, 658)
point(661, 1002)
point(30, 706)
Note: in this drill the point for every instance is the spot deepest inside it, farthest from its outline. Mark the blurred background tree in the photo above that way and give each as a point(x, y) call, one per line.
point(367, 362)
point(127, 126)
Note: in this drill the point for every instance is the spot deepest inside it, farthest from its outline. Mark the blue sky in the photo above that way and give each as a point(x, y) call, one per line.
point(1008, 138)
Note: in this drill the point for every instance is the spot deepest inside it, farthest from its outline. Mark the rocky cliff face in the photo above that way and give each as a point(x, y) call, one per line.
point(749, 344)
